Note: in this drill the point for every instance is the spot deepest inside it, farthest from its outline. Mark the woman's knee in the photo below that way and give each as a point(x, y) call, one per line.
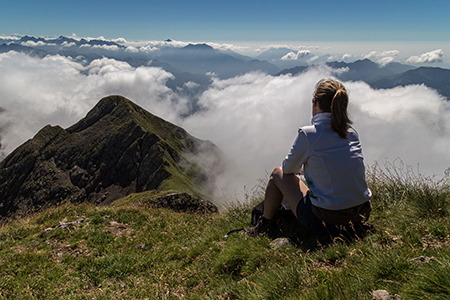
point(277, 177)
point(277, 172)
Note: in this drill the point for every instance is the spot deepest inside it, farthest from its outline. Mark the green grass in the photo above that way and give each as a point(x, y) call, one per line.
point(130, 251)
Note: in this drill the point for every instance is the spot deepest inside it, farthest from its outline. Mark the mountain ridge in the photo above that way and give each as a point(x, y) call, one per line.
point(386, 77)
point(434, 77)
point(197, 59)
point(117, 149)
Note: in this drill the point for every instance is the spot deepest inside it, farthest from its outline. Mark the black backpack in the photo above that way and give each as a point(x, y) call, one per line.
point(283, 216)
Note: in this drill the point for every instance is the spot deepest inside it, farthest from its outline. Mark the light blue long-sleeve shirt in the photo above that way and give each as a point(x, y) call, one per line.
point(333, 166)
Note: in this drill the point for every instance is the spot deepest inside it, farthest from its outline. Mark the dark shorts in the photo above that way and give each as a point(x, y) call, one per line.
point(315, 225)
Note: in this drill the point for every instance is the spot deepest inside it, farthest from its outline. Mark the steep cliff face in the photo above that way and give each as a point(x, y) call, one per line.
point(117, 149)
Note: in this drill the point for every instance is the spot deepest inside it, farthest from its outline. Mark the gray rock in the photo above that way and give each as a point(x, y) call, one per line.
point(182, 202)
point(65, 225)
point(384, 295)
point(280, 242)
point(422, 259)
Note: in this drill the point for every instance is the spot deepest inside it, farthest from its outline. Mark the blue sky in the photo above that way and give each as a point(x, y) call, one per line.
point(231, 21)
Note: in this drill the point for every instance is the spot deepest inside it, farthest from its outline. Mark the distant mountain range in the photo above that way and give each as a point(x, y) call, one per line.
point(193, 58)
point(389, 76)
point(199, 63)
point(365, 70)
point(436, 78)
point(117, 149)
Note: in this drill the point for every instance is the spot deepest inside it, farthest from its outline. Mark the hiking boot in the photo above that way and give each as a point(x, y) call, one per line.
point(263, 227)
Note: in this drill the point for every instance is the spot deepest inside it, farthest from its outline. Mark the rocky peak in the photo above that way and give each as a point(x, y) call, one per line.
point(104, 107)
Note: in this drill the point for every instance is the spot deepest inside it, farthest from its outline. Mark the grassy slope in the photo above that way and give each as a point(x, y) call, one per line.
point(127, 251)
point(178, 139)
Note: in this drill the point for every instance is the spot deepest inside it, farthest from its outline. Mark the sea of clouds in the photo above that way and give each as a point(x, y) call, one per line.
point(253, 118)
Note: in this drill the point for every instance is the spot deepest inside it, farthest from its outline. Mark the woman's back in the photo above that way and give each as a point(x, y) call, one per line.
point(334, 167)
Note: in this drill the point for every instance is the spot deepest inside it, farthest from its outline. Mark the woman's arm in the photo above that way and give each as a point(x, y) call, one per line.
point(293, 163)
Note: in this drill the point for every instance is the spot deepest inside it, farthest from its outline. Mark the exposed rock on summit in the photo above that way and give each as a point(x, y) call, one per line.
point(182, 202)
point(117, 149)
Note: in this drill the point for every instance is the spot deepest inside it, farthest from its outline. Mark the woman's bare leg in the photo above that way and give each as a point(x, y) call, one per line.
point(282, 185)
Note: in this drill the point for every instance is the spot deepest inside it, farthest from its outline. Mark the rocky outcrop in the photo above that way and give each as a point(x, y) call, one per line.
point(117, 149)
point(182, 202)
point(384, 295)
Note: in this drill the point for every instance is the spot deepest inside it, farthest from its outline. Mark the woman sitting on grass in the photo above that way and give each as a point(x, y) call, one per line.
point(329, 155)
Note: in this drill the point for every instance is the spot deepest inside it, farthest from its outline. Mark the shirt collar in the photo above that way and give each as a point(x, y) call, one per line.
point(321, 118)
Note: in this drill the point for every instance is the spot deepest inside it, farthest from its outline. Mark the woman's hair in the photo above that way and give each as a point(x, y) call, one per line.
point(332, 97)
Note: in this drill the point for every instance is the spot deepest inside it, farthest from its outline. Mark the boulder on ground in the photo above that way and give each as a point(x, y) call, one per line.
point(182, 202)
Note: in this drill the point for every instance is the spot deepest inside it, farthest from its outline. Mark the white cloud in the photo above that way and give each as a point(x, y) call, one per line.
point(75, 37)
point(64, 61)
point(191, 85)
point(141, 45)
point(294, 56)
point(33, 43)
point(341, 70)
point(290, 56)
point(411, 123)
point(172, 43)
point(385, 60)
point(119, 41)
point(106, 47)
point(293, 47)
point(67, 44)
point(382, 58)
point(148, 48)
point(347, 56)
point(131, 49)
point(377, 54)
point(85, 46)
point(243, 117)
point(107, 65)
point(156, 44)
point(225, 47)
point(269, 47)
point(332, 57)
point(10, 37)
point(429, 57)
